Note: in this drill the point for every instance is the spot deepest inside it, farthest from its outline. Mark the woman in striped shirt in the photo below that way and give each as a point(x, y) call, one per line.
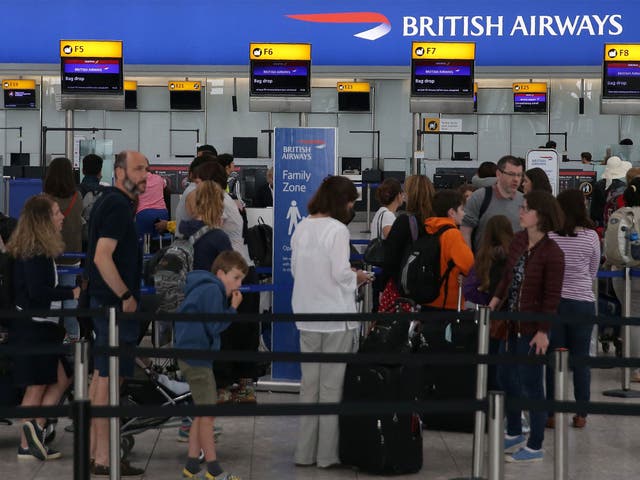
point(581, 246)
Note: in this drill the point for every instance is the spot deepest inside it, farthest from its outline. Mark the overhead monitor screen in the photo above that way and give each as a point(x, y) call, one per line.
point(281, 78)
point(91, 75)
point(621, 80)
point(185, 100)
point(19, 98)
point(354, 102)
point(441, 78)
point(530, 102)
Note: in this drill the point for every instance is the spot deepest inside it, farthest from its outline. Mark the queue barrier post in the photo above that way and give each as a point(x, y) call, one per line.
point(496, 436)
point(482, 318)
point(81, 412)
point(114, 399)
point(560, 433)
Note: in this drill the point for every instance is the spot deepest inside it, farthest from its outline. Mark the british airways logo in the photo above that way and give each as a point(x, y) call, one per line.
point(383, 27)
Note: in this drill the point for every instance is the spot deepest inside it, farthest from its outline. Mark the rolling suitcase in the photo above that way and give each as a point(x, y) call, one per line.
point(390, 443)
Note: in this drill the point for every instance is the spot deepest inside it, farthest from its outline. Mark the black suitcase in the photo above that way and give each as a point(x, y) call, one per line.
point(449, 382)
point(386, 444)
point(391, 443)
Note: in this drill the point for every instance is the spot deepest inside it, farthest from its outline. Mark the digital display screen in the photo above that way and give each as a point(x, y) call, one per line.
point(91, 75)
point(185, 100)
point(621, 80)
point(273, 78)
point(530, 102)
point(442, 78)
point(353, 102)
point(19, 98)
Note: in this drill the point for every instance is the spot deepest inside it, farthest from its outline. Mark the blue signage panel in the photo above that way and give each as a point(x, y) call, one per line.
point(350, 32)
point(303, 157)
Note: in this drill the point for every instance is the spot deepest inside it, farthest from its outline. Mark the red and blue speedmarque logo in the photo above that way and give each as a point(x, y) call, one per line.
point(383, 27)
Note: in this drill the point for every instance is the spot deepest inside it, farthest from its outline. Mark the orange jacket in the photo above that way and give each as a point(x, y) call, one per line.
point(452, 247)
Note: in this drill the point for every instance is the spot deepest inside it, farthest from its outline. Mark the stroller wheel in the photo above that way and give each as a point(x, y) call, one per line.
point(127, 443)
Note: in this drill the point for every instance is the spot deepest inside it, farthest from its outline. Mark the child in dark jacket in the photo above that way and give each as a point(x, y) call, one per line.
point(207, 292)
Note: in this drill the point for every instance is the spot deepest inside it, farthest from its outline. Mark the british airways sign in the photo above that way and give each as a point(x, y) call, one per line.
point(349, 32)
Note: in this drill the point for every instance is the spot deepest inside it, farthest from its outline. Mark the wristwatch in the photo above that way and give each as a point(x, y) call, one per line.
point(126, 295)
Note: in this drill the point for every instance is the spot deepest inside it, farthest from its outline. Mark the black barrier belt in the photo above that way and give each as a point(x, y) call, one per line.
point(598, 408)
point(67, 312)
point(603, 362)
point(24, 351)
point(359, 358)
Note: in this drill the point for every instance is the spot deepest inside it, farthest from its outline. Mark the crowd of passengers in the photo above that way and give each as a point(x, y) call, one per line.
point(511, 245)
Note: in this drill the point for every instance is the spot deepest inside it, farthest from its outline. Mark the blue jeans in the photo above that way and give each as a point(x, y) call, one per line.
point(576, 338)
point(70, 323)
point(522, 381)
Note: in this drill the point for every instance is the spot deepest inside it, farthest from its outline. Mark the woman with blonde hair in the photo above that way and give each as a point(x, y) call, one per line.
point(35, 244)
point(419, 192)
point(206, 206)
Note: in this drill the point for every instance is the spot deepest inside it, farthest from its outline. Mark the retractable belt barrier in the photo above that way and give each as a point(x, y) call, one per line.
point(491, 403)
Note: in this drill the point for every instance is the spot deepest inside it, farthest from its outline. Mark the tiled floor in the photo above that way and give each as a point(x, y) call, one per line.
point(259, 448)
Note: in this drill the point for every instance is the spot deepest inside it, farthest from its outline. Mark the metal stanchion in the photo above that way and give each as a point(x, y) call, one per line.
point(81, 409)
point(146, 246)
point(368, 293)
point(625, 391)
point(482, 316)
point(560, 433)
point(114, 399)
point(496, 435)
point(367, 229)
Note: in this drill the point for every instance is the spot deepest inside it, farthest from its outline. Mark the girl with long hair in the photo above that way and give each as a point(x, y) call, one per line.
point(35, 244)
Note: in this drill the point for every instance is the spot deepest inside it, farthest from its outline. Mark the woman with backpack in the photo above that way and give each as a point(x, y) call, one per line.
point(532, 283)
point(35, 244)
point(323, 282)
point(581, 246)
point(419, 193)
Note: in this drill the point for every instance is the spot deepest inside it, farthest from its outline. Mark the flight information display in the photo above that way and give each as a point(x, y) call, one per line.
point(280, 77)
point(621, 80)
point(280, 69)
point(19, 93)
point(442, 77)
point(530, 102)
point(91, 75)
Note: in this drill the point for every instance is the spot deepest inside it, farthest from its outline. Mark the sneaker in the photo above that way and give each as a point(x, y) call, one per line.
point(224, 396)
point(35, 440)
point(222, 476)
point(579, 422)
point(126, 470)
point(525, 455)
point(25, 454)
point(186, 473)
point(511, 443)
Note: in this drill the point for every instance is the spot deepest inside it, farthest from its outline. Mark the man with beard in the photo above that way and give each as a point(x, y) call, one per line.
point(114, 264)
point(503, 198)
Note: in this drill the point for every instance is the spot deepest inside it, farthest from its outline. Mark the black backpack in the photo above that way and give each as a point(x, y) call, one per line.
point(420, 276)
point(259, 240)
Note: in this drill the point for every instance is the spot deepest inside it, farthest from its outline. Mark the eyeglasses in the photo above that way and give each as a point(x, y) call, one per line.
point(512, 174)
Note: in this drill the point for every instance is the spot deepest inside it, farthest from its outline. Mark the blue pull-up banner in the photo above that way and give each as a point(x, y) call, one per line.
point(303, 157)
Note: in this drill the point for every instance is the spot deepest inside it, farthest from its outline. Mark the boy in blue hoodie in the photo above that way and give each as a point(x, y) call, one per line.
point(207, 292)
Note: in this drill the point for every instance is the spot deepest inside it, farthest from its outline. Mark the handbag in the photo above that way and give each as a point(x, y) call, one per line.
point(374, 253)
